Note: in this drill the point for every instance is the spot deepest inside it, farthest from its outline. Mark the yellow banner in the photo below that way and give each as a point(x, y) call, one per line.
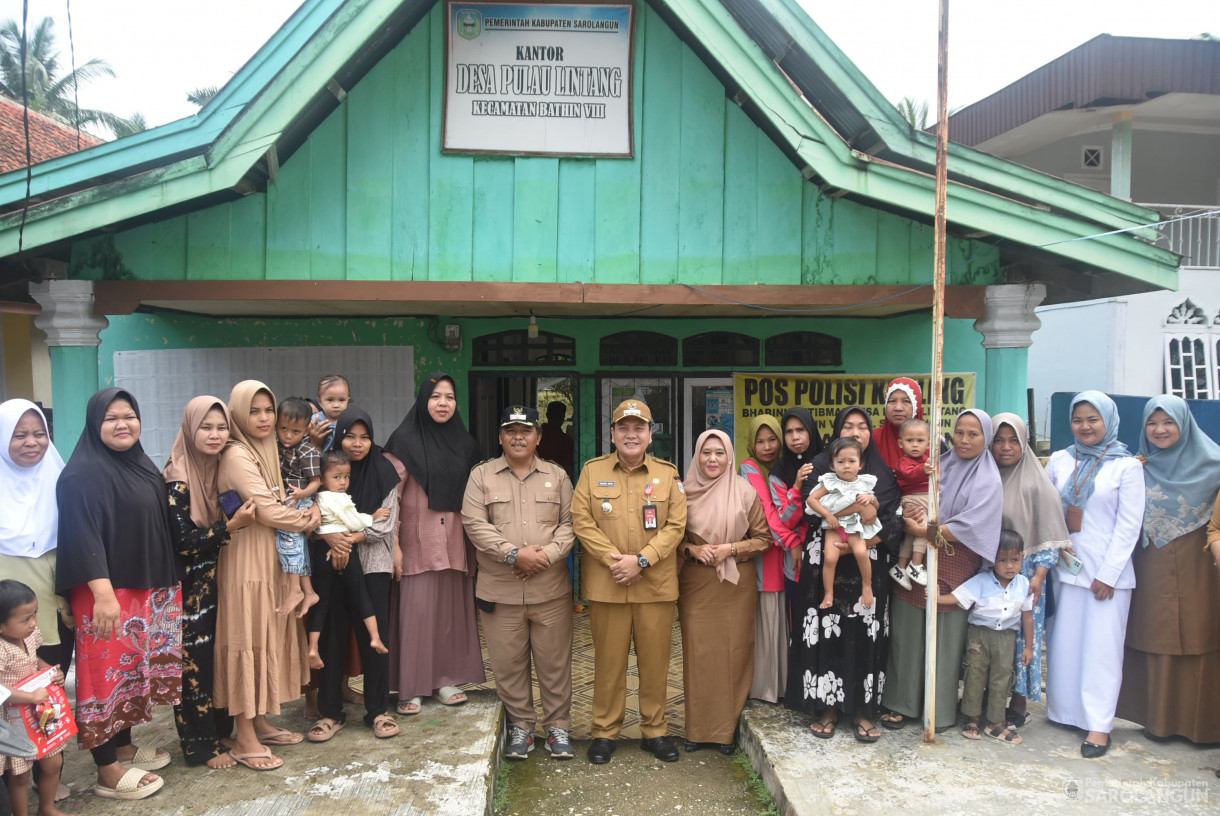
point(826, 394)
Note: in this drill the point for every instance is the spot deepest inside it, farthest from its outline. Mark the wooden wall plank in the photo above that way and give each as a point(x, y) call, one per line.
point(370, 131)
point(778, 194)
point(328, 196)
point(288, 217)
point(701, 167)
point(536, 219)
point(577, 220)
point(740, 197)
point(450, 204)
point(248, 237)
point(660, 154)
point(207, 244)
point(412, 141)
point(493, 248)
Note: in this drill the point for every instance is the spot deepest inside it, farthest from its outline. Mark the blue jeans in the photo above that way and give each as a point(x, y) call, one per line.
point(292, 549)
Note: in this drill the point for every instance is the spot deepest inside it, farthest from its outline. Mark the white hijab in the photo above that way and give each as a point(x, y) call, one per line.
point(29, 517)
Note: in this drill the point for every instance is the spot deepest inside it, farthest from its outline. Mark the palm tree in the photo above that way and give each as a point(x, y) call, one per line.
point(916, 113)
point(202, 95)
point(49, 89)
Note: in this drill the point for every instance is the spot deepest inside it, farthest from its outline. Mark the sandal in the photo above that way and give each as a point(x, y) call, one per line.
point(1015, 718)
point(147, 758)
point(867, 734)
point(828, 728)
point(323, 730)
point(280, 736)
point(447, 695)
point(971, 731)
point(893, 721)
point(384, 726)
point(405, 707)
point(245, 759)
point(1005, 733)
point(129, 788)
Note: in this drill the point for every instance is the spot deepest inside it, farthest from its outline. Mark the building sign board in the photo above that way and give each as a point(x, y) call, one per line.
point(546, 79)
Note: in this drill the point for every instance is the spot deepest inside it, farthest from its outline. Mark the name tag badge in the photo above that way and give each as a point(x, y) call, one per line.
point(605, 484)
point(650, 517)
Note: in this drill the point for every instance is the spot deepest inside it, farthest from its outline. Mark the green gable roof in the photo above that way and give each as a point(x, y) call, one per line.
point(833, 125)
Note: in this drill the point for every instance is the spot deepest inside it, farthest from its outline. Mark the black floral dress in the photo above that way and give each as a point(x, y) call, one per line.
point(837, 656)
point(196, 550)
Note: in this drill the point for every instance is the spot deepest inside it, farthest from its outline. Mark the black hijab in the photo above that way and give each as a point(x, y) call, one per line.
point(437, 455)
point(374, 476)
point(789, 462)
point(113, 511)
point(889, 496)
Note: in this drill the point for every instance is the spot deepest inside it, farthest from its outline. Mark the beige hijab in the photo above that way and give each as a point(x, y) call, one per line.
point(265, 451)
point(718, 507)
point(199, 470)
point(1032, 506)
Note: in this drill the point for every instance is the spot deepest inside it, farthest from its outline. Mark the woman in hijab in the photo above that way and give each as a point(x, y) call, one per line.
point(771, 624)
point(116, 565)
point(1172, 658)
point(971, 501)
point(838, 655)
point(1033, 510)
point(717, 594)
point(903, 401)
point(260, 655)
point(434, 635)
point(199, 529)
point(1102, 489)
point(29, 521)
point(375, 478)
point(802, 443)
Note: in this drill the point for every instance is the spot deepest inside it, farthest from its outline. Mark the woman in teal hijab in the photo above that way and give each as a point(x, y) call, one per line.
point(1172, 657)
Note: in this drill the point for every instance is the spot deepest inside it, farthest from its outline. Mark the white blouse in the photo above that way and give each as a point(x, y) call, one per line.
point(1112, 521)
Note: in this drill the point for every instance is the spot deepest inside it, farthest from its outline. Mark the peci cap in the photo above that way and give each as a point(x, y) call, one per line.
point(632, 408)
point(519, 415)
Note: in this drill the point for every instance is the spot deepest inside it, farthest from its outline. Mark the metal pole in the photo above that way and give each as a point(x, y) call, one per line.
point(938, 366)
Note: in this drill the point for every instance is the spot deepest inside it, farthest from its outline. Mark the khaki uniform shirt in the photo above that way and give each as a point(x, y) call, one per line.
point(607, 514)
point(501, 512)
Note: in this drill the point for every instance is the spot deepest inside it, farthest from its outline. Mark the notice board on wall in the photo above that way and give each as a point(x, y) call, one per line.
point(164, 380)
point(550, 79)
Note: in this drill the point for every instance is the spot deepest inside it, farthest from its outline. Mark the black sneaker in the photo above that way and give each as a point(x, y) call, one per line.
point(662, 748)
point(559, 743)
point(520, 743)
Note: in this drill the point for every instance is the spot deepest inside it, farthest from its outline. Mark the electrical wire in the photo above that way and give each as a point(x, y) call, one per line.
point(25, 115)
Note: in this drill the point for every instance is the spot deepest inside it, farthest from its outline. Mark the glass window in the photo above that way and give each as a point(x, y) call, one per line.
point(804, 348)
point(721, 349)
point(515, 348)
point(639, 348)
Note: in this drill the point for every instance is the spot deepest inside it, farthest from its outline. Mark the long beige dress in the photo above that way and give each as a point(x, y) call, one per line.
point(717, 619)
point(260, 656)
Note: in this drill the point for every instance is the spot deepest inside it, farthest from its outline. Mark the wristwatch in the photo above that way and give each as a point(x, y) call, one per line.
point(511, 558)
point(643, 562)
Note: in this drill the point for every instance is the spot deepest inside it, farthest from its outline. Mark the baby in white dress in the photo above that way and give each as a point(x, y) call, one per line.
point(834, 499)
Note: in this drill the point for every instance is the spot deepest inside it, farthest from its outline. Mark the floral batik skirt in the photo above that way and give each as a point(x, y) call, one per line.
point(118, 681)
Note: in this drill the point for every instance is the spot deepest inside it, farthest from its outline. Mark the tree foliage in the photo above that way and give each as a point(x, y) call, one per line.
point(49, 87)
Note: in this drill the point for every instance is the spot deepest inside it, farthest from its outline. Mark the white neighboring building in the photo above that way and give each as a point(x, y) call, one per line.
point(1138, 118)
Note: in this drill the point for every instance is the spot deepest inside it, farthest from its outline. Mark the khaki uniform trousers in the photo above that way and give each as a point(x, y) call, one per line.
point(515, 633)
point(614, 627)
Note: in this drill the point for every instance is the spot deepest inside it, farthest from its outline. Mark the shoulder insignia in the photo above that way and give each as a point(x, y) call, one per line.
point(681, 487)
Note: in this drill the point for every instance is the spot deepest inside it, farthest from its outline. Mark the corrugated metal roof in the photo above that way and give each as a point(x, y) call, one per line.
point(1104, 71)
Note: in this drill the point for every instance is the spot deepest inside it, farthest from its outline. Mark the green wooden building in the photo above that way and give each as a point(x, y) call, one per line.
point(774, 215)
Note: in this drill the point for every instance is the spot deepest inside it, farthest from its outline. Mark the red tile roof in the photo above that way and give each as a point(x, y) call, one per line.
point(49, 138)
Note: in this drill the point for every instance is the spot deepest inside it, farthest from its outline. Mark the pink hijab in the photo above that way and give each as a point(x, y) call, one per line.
point(718, 507)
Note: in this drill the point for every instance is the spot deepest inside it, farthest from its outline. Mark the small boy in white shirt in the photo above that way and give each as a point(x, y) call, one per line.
point(998, 601)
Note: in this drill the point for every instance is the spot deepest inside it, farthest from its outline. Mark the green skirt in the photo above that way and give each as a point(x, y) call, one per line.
point(904, 675)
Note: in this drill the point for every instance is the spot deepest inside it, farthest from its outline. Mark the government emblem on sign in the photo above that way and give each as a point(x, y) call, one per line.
point(469, 23)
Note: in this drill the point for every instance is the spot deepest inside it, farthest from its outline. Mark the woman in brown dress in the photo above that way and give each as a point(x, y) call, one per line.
point(260, 655)
point(718, 592)
point(1171, 660)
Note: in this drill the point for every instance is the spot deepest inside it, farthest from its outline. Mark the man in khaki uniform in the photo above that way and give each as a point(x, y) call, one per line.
point(629, 512)
point(518, 513)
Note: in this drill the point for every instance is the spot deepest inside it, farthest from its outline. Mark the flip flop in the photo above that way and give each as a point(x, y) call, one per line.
point(828, 728)
point(146, 759)
point(404, 706)
point(445, 694)
point(864, 734)
point(244, 759)
point(129, 788)
point(893, 725)
point(280, 736)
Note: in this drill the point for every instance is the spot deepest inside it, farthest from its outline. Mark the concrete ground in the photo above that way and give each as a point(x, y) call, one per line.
point(441, 763)
point(1045, 774)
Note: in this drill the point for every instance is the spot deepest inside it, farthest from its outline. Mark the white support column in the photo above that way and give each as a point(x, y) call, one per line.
point(1007, 326)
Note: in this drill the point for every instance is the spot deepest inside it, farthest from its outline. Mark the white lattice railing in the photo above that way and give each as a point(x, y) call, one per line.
point(1196, 239)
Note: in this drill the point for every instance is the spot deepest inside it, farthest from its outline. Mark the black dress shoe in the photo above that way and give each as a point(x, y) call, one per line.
point(662, 748)
point(691, 747)
point(601, 750)
point(727, 748)
point(1090, 750)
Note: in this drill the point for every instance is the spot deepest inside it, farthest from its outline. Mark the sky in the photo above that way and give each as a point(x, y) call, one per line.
point(161, 49)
